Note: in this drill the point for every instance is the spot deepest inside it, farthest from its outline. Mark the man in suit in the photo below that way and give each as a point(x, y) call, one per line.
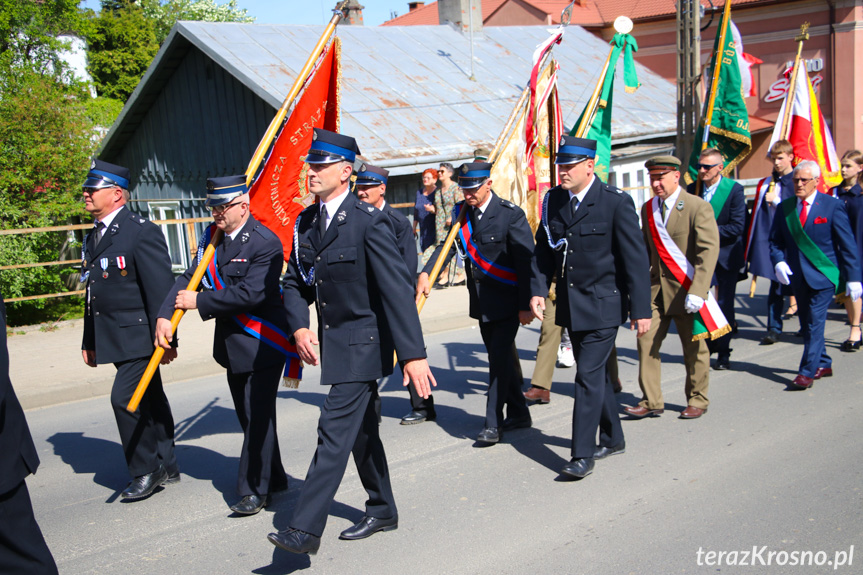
point(371, 187)
point(22, 547)
point(345, 260)
point(501, 279)
point(241, 289)
point(681, 225)
point(813, 249)
point(127, 271)
point(768, 194)
point(590, 231)
point(726, 198)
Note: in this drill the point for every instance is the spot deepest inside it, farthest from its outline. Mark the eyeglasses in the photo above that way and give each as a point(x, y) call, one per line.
point(222, 209)
point(91, 191)
point(706, 166)
point(801, 181)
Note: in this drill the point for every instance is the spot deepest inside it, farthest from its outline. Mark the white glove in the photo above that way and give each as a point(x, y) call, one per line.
point(854, 290)
point(783, 273)
point(693, 303)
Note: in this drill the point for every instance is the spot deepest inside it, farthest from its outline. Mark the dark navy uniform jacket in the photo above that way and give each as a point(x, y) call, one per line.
point(828, 227)
point(606, 276)
point(404, 238)
point(362, 291)
point(853, 199)
point(250, 268)
point(18, 457)
point(732, 226)
point(120, 318)
point(504, 238)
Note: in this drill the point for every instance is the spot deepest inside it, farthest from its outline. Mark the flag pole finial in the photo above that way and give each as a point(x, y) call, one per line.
point(804, 33)
point(623, 25)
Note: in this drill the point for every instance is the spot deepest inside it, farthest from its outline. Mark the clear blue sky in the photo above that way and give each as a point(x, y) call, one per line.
point(375, 12)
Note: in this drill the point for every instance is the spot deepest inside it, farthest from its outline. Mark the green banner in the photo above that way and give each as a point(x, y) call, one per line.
point(729, 126)
point(600, 127)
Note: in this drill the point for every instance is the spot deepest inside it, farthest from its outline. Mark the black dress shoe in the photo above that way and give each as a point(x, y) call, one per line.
point(579, 468)
point(144, 485)
point(369, 526)
point(722, 364)
point(771, 338)
point(250, 504)
point(417, 416)
point(295, 541)
point(604, 451)
point(849, 345)
point(489, 435)
point(522, 422)
point(173, 477)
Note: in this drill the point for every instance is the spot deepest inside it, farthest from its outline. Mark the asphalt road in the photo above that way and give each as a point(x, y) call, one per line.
point(767, 468)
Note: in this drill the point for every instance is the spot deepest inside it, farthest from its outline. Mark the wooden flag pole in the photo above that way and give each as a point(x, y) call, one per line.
point(786, 115)
point(254, 164)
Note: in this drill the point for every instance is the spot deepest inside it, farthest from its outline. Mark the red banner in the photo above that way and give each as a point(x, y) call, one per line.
point(281, 190)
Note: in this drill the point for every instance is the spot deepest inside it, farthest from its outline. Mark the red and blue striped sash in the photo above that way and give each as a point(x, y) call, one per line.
point(495, 271)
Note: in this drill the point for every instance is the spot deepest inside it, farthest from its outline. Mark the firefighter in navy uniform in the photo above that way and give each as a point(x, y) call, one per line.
point(248, 263)
point(345, 259)
point(371, 187)
point(127, 270)
point(501, 278)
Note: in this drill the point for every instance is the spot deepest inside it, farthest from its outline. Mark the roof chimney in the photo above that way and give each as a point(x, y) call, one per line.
point(462, 13)
point(353, 13)
point(415, 6)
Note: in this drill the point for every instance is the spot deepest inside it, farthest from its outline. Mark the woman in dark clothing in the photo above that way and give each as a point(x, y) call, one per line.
point(852, 195)
point(424, 215)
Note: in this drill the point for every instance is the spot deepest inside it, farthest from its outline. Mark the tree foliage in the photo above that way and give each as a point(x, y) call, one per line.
point(165, 14)
point(46, 137)
point(122, 43)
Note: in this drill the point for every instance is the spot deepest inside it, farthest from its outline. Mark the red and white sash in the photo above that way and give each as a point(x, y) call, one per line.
point(710, 322)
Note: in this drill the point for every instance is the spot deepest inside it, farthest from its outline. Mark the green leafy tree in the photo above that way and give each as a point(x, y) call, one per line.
point(46, 136)
point(122, 43)
point(165, 14)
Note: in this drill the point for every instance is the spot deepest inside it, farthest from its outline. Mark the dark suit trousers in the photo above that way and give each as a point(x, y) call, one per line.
point(254, 395)
point(726, 285)
point(22, 547)
point(418, 403)
point(595, 405)
point(775, 305)
point(812, 308)
point(148, 434)
point(504, 372)
point(348, 424)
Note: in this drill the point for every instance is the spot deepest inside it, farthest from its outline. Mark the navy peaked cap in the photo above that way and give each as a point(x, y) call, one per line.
point(369, 175)
point(105, 175)
point(220, 191)
point(329, 147)
point(572, 150)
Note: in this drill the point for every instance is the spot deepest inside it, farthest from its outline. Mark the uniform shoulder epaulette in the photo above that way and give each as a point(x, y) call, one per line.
point(264, 230)
point(138, 219)
point(366, 208)
point(612, 189)
point(508, 204)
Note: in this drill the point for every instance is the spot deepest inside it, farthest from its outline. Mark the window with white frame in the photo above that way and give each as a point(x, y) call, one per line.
point(175, 236)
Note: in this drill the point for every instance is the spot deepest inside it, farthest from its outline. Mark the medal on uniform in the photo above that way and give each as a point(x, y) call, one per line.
point(103, 263)
point(121, 263)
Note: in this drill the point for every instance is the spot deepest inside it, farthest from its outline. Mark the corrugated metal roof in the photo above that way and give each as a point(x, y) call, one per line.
point(406, 92)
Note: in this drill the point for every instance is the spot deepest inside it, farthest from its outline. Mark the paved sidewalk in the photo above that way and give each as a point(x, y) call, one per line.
point(46, 366)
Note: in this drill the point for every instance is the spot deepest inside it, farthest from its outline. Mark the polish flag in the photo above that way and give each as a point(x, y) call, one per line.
point(808, 132)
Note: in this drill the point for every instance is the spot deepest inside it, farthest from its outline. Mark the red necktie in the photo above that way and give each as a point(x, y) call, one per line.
point(803, 214)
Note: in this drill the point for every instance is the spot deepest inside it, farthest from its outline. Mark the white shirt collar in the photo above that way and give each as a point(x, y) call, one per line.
point(110, 217)
point(334, 203)
point(712, 188)
point(483, 207)
point(580, 195)
point(233, 234)
point(809, 199)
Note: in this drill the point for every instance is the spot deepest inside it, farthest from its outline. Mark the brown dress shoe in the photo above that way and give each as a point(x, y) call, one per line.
point(802, 382)
point(537, 395)
point(692, 413)
point(823, 372)
point(640, 412)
